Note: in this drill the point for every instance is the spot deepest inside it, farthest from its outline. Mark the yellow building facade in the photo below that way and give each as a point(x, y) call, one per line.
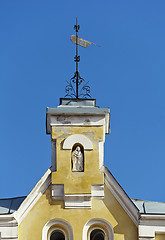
point(77, 203)
point(78, 197)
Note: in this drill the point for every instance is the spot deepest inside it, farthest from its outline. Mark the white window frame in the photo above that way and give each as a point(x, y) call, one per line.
point(53, 225)
point(98, 223)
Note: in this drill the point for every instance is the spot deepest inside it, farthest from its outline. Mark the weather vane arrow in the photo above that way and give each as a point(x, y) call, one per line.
point(71, 91)
point(81, 42)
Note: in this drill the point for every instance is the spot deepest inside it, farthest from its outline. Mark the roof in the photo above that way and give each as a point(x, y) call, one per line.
point(78, 106)
point(78, 110)
point(149, 207)
point(10, 205)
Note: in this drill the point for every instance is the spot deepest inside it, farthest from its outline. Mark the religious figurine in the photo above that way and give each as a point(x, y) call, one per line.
point(77, 160)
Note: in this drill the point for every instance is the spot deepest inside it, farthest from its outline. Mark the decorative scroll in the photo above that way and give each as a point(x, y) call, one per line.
point(84, 91)
point(72, 89)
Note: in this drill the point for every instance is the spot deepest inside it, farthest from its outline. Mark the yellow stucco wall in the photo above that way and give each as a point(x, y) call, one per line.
point(46, 209)
point(160, 237)
point(77, 182)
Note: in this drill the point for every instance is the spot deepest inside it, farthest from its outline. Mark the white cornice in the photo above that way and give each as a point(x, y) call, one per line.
point(77, 200)
point(121, 196)
point(8, 220)
point(152, 216)
point(33, 196)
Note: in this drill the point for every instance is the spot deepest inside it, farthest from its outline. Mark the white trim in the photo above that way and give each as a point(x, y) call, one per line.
point(33, 197)
point(74, 119)
point(97, 191)
point(101, 154)
point(77, 200)
point(146, 216)
point(57, 191)
point(98, 221)
point(8, 227)
point(8, 221)
point(150, 231)
point(121, 196)
point(78, 138)
point(54, 222)
point(150, 225)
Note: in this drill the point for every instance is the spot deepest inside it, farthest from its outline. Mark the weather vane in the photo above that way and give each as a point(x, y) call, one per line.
point(73, 89)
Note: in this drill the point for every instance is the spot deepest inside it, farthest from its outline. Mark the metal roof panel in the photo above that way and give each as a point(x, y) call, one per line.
point(10, 205)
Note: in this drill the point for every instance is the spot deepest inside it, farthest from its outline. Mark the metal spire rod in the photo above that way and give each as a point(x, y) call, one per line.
point(77, 58)
point(71, 91)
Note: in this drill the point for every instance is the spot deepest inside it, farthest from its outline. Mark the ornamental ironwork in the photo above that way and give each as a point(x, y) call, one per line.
point(73, 88)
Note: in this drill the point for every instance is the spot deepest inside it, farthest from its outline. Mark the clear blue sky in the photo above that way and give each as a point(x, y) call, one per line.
point(127, 74)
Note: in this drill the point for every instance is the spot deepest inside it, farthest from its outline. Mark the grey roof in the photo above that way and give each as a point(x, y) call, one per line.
point(78, 102)
point(149, 207)
point(10, 205)
point(77, 106)
point(78, 110)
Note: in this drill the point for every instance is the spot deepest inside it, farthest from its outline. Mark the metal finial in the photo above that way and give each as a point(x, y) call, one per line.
point(71, 91)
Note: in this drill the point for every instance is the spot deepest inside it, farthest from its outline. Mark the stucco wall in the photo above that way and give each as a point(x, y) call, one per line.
point(46, 209)
point(160, 237)
point(77, 182)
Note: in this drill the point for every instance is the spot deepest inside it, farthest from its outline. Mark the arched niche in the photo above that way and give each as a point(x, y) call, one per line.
point(70, 141)
point(77, 158)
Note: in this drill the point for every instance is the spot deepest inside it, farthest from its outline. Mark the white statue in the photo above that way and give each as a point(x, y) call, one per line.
point(77, 160)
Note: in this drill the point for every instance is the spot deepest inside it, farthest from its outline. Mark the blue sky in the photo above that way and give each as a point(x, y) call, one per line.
point(127, 74)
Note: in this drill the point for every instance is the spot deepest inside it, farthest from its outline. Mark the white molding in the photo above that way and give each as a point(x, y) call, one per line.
point(121, 196)
point(78, 138)
point(101, 154)
point(54, 222)
point(146, 238)
point(78, 120)
point(146, 216)
point(97, 191)
point(77, 200)
point(107, 123)
point(57, 191)
point(8, 227)
point(150, 224)
point(150, 231)
point(33, 197)
point(98, 221)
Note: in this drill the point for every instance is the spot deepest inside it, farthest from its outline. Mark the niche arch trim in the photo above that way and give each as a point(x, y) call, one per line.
point(54, 224)
point(78, 138)
point(97, 223)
